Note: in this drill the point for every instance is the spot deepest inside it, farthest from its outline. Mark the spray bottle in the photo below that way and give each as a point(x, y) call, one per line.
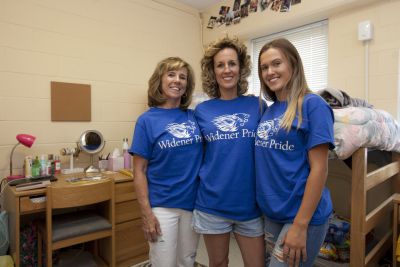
point(127, 156)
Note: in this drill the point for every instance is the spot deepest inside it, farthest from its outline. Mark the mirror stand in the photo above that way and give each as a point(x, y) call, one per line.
point(91, 142)
point(91, 167)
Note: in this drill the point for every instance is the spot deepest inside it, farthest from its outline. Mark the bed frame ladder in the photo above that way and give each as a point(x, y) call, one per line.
point(361, 222)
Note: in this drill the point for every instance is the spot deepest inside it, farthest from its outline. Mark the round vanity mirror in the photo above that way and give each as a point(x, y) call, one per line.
point(91, 142)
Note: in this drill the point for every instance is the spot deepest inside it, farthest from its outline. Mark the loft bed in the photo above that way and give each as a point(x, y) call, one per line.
point(362, 222)
point(359, 132)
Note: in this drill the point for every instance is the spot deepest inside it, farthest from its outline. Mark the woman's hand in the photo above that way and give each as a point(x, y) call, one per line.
point(151, 227)
point(294, 245)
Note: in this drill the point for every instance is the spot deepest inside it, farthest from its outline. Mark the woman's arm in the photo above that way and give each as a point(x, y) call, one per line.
point(296, 237)
point(151, 226)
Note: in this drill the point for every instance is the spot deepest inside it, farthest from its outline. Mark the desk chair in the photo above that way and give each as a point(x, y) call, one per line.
point(79, 226)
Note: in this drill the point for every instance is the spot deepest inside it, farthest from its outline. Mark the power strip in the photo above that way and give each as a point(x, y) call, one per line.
point(74, 170)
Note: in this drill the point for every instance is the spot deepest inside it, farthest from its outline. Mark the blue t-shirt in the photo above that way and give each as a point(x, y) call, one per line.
point(282, 165)
point(171, 142)
point(227, 175)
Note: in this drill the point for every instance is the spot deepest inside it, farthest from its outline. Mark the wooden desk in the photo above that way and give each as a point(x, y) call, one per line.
point(130, 245)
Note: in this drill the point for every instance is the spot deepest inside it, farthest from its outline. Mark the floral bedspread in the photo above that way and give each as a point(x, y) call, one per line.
point(357, 127)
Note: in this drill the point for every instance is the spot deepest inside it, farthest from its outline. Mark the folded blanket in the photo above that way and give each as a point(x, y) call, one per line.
point(339, 99)
point(357, 127)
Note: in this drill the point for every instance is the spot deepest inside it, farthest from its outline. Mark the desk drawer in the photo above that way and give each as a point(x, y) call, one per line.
point(124, 191)
point(130, 242)
point(127, 211)
point(26, 204)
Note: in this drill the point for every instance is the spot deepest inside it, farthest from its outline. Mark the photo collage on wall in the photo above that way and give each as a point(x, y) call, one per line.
point(243, 8)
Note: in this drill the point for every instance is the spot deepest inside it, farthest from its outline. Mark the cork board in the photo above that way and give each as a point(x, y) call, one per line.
point(70, 102)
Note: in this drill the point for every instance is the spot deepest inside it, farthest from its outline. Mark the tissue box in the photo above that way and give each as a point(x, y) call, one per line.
point(115, 164)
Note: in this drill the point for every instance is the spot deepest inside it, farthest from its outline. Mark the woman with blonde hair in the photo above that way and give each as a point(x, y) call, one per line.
point(226, 196)
point(292, 143)
point(167, 153)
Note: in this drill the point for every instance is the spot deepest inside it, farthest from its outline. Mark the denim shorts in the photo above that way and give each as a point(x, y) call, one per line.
point(274, 234)
point(205, 223)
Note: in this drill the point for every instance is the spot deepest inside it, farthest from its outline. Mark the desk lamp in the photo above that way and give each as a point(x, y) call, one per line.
point(26, 140)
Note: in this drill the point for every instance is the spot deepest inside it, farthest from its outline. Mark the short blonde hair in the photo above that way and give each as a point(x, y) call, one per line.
point(210, 85)
point(155, 96)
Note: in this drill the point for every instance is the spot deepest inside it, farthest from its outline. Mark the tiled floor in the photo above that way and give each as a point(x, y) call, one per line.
point(235, 258)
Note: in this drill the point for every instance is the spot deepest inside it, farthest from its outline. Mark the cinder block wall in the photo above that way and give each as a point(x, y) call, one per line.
point(111, 45)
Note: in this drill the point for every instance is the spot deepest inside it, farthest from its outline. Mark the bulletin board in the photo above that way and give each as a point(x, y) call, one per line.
point(70, 102)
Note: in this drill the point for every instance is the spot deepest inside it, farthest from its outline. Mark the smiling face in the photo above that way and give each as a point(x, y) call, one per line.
point(276, 72)
point(227, 70)
point(173, 86)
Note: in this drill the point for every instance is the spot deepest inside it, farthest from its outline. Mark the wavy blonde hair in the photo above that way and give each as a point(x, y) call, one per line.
point(210, 85)
point(155, 96)
point(297, 86)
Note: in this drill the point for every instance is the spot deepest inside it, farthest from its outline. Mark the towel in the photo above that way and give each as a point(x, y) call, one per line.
point(6, 261)
point(398, 249)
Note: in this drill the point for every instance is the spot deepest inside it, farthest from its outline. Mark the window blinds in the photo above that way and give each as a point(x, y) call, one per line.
point(311, 41)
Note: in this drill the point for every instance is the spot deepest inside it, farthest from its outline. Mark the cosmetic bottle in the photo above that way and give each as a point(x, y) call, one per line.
point(43, 165)
point(57, 164)
point(127, 156)
point(28, 166)
point(36, 167)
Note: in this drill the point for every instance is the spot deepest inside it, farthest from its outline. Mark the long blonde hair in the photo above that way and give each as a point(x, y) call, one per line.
point(296, 88)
